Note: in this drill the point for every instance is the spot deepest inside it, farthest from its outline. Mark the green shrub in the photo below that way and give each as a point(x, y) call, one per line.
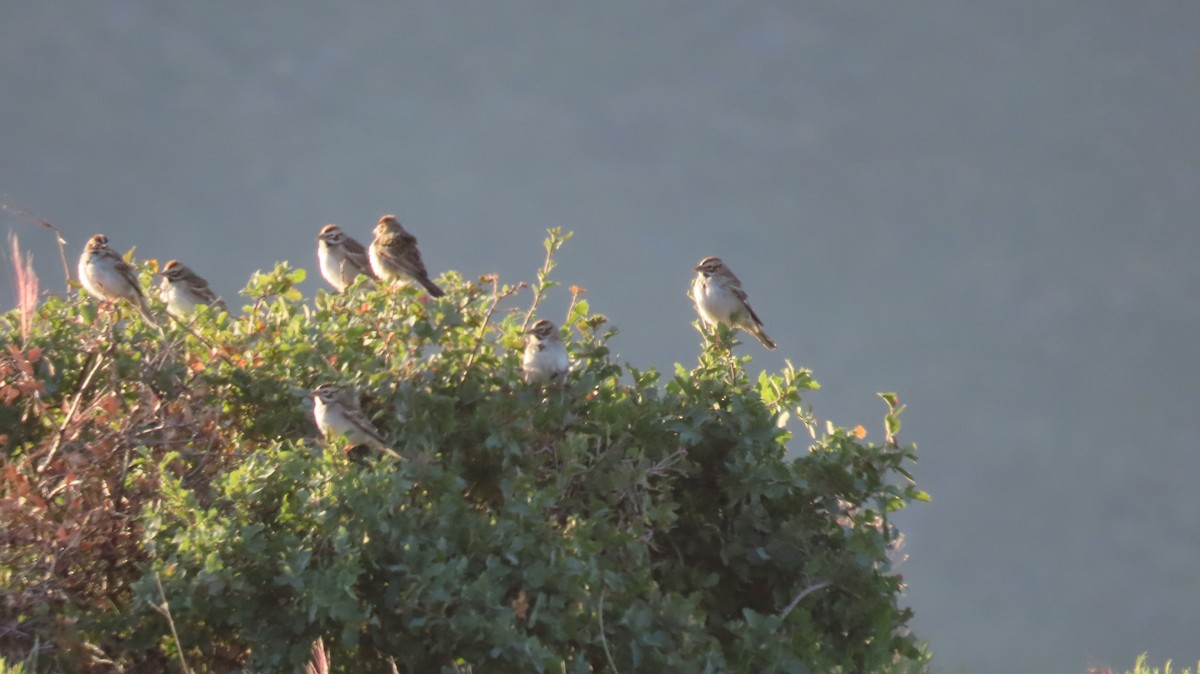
point(617, 523)
point(1141, 667)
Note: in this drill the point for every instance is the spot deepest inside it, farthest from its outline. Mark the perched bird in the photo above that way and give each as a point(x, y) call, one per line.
point(108, 277)
point(394, 255)
point(720, 299)
point(337, 413)
point(342, 258)
point(184, 290)
point(545, 358)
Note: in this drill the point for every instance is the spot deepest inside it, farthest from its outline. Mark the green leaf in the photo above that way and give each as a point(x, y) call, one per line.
point(893, 424)
point(578, 312)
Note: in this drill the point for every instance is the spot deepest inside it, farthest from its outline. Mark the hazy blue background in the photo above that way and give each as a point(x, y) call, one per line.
point(989, 207)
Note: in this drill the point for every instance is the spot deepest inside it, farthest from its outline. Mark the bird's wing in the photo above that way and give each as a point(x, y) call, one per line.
point(356, 255)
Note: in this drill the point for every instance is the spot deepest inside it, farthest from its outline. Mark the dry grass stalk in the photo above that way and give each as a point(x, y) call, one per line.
point(26, 285)
point(320, 659)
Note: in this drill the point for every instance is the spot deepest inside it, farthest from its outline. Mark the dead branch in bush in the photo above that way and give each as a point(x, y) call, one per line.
point(497, 296)
point(212, 348)
point(165, 610)
point(22, 212)
point(803, 593)
point(70, 417)
point(604, 640)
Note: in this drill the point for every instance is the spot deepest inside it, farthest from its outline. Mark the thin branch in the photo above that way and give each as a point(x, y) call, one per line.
point(211, 347)
point(497, 297)
point(62, 430)
point(553, 243)
point(576, 291)
point(22, 212)
point(803, 593)
point(165, 610)
point(603, 640)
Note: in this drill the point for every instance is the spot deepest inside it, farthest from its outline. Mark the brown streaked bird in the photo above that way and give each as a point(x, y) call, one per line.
point(545, 359)
point(184, 290)
point(394, 255)
point(342, 258)
point(337, 413)
point(720, 299)
point(105, 275)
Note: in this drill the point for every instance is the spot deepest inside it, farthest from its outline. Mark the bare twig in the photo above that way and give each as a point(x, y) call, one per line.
point(165, 610)
point(497, 296)
point(62, 430)
point(22, 212)
point(576, 291)
point(803, 593)
point(604, 640)
point(211, 347)
point(664, 467)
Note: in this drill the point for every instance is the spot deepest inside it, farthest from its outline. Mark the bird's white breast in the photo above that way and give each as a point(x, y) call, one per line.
point(181, 302)
point(542, 364)
point(376, 263)
point(328, 418)
point(102, 280)
point(334, 267)
point(332, 420)
point(714, 302)
point(395, 273)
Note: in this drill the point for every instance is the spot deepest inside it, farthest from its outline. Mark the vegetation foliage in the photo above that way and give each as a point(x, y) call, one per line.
point(167, 503)
point(1142, 667)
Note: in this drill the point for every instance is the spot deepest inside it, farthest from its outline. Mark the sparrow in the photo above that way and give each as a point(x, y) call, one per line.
point(184, 290)
point(337, 413)
point(720, 299)
point(108, 277)
point(545, 359)
point(342, 258)
point(394, 255)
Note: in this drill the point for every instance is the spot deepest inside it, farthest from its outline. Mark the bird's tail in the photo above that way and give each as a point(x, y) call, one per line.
point(377, 443)
point(761, 334)
point(143, 308)
point(430, 286)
